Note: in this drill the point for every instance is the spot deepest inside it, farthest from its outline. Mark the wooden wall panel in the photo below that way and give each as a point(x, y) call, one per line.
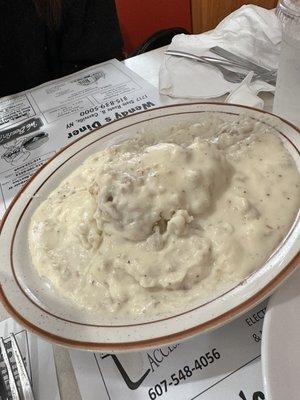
point(206, 14)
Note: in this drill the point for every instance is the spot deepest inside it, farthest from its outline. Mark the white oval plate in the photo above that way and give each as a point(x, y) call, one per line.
point(30, 300)
point(281, 342)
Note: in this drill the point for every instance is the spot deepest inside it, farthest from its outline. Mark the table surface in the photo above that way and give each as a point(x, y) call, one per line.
point(147, 66)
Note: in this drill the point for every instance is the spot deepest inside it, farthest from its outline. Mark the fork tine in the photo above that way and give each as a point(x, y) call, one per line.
point(11, 378)
point(23, 375)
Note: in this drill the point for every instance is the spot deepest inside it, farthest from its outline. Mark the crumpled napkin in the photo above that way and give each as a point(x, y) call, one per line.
point(251, 31)
point(246, 94)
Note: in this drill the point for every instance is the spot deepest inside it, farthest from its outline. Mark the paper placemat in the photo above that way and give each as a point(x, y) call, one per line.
point(221, 365)
point(36, 123)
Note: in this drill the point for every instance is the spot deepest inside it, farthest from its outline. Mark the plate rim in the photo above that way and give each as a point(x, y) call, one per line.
point(183, 334)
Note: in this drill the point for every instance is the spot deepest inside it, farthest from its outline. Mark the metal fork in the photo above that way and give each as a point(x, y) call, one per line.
point(26, 388)
point(228, 75)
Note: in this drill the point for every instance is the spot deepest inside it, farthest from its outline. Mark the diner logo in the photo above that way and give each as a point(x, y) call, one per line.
point(155, 358)
point(29, 126)
point(89, 79)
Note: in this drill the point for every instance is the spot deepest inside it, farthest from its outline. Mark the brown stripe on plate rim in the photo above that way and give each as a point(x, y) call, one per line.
point(59, 152)
point(147, 322)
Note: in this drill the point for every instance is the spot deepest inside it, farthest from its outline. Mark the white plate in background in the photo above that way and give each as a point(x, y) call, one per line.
point(281, 342)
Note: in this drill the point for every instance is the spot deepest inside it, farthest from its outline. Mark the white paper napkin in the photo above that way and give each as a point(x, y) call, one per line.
point(245, 95)
point(251, 31)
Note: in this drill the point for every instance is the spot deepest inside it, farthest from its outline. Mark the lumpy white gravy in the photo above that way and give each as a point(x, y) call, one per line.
point(151, 224)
